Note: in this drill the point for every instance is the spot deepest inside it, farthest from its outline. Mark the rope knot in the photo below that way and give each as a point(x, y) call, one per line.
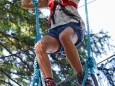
point(91, 63)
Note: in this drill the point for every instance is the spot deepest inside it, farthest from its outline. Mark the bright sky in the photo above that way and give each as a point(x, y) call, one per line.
point(101, 16)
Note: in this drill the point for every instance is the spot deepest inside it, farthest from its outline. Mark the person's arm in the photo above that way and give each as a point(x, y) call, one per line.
point(27, 4)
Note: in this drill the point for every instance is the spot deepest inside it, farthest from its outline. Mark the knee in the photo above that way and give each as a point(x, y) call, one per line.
point(63, 38)
point(40, 47)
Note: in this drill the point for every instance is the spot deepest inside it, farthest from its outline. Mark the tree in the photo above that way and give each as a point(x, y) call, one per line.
point(108, 69)
point(17, 34)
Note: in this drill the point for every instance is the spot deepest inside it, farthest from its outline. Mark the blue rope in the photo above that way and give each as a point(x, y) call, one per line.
point(88, 29)
point(2, 72)
point(37, 74)
point(90, 64)
point(38, 35)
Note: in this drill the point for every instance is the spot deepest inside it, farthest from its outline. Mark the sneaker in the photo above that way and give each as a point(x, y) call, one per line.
point(80, 79)
point(50, 82)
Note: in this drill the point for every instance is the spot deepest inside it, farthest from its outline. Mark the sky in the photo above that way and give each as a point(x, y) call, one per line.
point(101, 15)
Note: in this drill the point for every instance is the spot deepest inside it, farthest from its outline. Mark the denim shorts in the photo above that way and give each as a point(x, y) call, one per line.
point(55, 32)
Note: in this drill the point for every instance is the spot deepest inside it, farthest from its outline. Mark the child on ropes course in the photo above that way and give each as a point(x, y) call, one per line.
point(67, 31)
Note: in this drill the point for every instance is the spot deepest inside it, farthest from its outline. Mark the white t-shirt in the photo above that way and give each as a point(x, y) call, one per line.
point(61, 18)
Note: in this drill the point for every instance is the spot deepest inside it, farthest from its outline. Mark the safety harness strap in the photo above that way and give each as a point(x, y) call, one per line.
point(53, 3)
point(67, 2)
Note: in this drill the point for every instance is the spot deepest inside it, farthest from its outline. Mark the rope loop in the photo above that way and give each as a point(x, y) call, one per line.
point(91, 62)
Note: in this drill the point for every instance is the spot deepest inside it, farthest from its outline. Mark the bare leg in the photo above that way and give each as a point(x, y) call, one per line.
point(47, 44)
point(67, 39)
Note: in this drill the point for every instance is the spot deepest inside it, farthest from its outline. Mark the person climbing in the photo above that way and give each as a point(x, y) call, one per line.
point(67, 32)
